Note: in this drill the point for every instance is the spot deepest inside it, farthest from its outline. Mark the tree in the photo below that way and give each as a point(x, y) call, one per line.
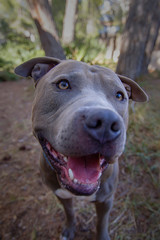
point(42, 15)
point(69, 21)
point(139, 37)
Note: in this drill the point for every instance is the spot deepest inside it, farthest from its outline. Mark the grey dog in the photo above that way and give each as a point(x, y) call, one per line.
point(80, 118)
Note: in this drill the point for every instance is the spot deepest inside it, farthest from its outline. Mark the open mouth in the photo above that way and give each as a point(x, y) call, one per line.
point(80, 175)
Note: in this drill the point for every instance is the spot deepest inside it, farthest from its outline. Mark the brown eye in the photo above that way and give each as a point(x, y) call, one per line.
point(63, 84)
point(120, 96)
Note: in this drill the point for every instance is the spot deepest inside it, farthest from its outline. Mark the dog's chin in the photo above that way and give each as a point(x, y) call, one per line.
point(79, 175)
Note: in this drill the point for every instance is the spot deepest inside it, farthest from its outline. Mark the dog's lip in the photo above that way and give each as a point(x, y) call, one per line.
point(80, 175)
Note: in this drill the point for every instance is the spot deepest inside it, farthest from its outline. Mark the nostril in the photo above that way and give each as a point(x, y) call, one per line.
point(99, 124)
point(115, 127)
point(94, 123)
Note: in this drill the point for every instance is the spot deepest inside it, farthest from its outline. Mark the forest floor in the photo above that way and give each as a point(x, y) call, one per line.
point(29, 210)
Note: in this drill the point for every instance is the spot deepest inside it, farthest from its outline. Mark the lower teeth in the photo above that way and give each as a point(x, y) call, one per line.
point(70, 174)
point(75, 180)
point(65, 159)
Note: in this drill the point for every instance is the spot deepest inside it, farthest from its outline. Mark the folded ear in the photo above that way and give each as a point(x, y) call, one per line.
point(134, 91)
point(36, 67)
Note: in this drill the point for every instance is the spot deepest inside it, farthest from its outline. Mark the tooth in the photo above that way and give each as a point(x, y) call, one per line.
point(75, 180)
point(102, 160)
point(71, 175)
point(65, 159)
point(54, 154)
point(48, 146)
point(99, 174)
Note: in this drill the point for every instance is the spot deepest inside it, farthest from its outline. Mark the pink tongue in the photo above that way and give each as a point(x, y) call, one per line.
point(85, 169)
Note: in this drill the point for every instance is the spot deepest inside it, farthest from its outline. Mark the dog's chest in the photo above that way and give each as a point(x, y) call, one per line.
point(65, 194)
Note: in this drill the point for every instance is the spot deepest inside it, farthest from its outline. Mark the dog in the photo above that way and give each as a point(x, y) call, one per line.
point(80, 118)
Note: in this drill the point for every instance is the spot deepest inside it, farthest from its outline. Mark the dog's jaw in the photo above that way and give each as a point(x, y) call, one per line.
point(79, 175)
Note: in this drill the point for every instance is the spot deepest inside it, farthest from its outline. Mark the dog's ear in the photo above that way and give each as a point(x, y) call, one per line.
point(36, 67)
point(134, 91)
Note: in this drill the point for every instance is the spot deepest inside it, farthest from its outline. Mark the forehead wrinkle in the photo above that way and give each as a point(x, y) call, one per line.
point(69, 65)
point(72, 75)
point(72, 69)
point(75, 74)
point(100, 80)
point(109, 78)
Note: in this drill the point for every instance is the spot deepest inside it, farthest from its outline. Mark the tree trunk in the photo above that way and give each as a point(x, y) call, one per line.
point(139, 38)
point(69, 21)
point(42, 15)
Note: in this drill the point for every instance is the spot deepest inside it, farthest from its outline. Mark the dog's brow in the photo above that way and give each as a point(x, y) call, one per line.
point(75, 74)
point(70, 75)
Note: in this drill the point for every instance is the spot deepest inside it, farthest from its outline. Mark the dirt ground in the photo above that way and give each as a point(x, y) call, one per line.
point(28, 209)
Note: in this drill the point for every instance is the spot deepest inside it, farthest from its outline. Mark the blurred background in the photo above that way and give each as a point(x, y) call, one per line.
point(123, 35)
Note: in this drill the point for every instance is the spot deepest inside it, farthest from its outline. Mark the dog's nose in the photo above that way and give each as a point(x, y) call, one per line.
point(103, 125)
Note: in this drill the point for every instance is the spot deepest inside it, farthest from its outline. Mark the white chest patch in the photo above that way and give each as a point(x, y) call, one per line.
point(65, 194)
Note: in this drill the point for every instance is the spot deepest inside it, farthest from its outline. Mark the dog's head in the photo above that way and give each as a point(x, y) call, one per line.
point(80, 116)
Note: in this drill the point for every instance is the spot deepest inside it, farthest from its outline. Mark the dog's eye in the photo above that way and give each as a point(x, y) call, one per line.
point(63, 84)
point(120, 96)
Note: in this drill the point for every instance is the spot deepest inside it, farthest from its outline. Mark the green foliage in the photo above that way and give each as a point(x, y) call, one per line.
point(84, 49)
point(13, 53)
point(90, 50)
point(15, 46)
point(19, 40)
